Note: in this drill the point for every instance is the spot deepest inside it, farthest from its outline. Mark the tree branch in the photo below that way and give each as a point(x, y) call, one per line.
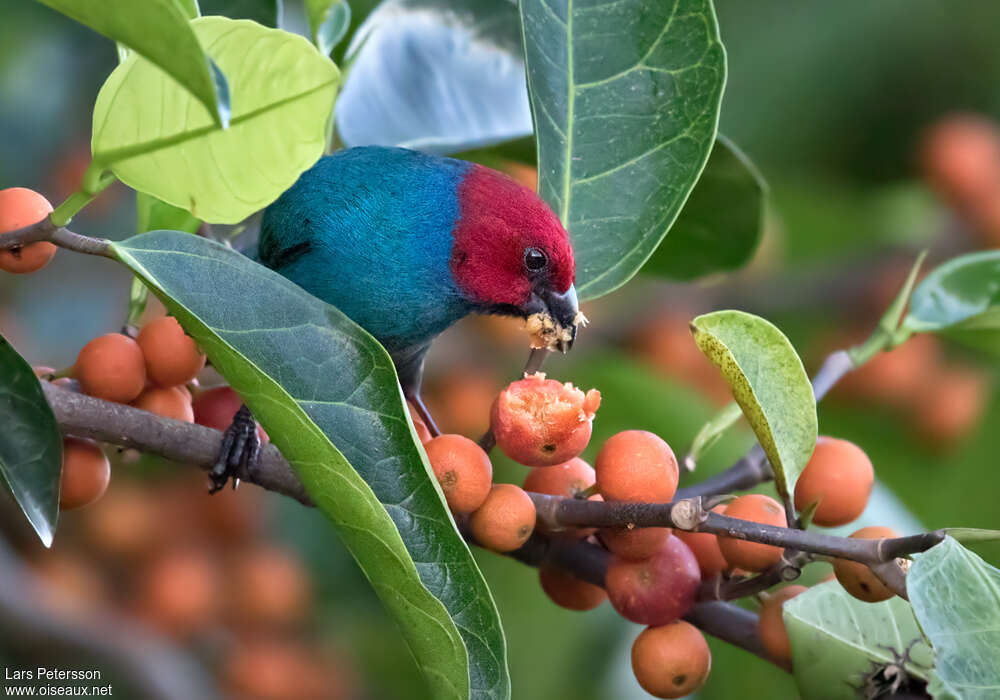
point(86, 416)
point(45, 230)
point(118, 424)
point(689, 514)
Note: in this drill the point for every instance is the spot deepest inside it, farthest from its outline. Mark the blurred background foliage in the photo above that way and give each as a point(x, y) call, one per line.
point(829, 99)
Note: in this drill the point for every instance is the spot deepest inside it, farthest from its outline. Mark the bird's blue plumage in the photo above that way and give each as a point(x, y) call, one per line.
point(369, 230)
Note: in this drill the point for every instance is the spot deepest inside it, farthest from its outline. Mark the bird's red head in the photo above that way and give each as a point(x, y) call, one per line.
point(511, 254)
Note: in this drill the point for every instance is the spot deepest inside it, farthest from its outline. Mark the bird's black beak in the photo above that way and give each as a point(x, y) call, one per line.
point(558, 314)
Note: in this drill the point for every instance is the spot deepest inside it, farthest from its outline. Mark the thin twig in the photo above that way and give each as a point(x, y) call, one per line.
point(45, 230)
point(689, 514)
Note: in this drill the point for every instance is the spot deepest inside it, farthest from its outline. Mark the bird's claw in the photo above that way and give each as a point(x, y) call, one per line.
point(238, 453)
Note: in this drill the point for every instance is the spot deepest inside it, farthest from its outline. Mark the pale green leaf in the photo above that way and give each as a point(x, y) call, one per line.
point(838, 640)
point(769, 383)
point(956, 598)
point(158, 140)
point(159, 31)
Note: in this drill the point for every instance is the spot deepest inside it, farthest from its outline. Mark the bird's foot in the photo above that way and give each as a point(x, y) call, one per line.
point(238, 453)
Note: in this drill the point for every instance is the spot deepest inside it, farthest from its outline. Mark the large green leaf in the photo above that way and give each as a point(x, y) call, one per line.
point(328, 22)
point(961, 299)
point(956, 597)
point(30, 444)
point(329, 398)
point(838, 640)
point(158, 140)
point(720, 225)
point(625, 97)
point(770, 385)
point(158, 30)
point(265, 12)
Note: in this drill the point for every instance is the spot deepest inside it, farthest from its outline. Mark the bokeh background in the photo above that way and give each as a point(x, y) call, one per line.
point(833, 101)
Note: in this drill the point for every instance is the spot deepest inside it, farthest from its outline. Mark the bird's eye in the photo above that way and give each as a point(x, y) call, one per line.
point(535, 259)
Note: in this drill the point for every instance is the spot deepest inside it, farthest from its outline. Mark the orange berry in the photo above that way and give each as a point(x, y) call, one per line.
point(961, 158)
point(169, 402)
point(505, 520)
point(636, 465)
point(172, 357)
point(671, 661)
point(423, 432)
point(569, 592)
point(277, 668)
point(462, 468)
point(20, 207)
point(753, 556)
point(111, 367)
point(126, 523)
point(540, 422)
point(461, 400)
point(180, 591)
point(771, 626)
point(638, 543)
point(856, 578)
point(86, 473)
point(840, 477)
point(270, 587)
point(565, 480)
point(950, 404)
point(895, 377)
point(705, 547)
point(522, 173)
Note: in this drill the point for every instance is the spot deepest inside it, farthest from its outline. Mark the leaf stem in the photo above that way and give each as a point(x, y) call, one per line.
point(95, 181)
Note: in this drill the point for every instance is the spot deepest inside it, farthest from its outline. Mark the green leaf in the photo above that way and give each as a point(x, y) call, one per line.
point(973, 534)
point(626, 99)
point(956, 597)
point(328, 22)
point(153, 214)
point(190, 7)
point(30, 444)
point(265, 12)
point(961, 299)
point(327, 394)
point(712, 430)
point(720, 225)
point(770, 385)
point(158, 30)
point(837, 640)
point(157, 140)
